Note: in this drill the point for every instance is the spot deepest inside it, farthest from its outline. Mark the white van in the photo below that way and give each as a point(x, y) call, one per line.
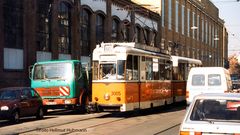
point(207, 80)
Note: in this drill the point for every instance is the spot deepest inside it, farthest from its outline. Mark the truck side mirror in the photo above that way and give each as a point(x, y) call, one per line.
point(30, 72)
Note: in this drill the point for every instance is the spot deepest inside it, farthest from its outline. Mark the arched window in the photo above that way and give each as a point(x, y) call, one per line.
point(64, 22)
point(125, 31)
point(154, 39)
point(99, 28)
point(115, 28)
point(44, 13)
point(138, 34)
point(85, 33)
point(147, 36)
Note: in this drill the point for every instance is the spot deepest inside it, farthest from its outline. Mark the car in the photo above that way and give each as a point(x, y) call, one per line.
point(212, 114)
point(207, 80)
point(17, 102)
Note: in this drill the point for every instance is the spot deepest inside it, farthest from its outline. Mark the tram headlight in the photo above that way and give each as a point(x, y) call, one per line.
point(118, 98)
point(96, 98)
point(106, 96)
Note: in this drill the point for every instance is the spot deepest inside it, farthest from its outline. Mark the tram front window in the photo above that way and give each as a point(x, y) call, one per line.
point(108, 71)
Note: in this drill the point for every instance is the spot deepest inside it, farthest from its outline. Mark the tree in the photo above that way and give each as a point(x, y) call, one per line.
point(234, 66)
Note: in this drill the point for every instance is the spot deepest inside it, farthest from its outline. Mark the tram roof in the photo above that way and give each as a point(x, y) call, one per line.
point(129, 47)
point(177, 59)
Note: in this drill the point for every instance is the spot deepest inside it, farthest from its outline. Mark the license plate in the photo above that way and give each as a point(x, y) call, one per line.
point(51, 103)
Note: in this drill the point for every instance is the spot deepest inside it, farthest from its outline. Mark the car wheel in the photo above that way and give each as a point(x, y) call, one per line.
point(15, 117)
point(40, 113)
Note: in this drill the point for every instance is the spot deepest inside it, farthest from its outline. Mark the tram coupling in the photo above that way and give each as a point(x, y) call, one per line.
point(92, 107)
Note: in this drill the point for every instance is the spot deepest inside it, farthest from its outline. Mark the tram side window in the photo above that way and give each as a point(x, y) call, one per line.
point(162, 70)
point(149, 69)
point(132, 67)
point(120, 69)
point(95, 70)
point(181, 70)
point(168, 69)
point(135, 67)
point(155, 69)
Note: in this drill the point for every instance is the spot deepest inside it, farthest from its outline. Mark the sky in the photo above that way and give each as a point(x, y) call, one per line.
point(229, 11)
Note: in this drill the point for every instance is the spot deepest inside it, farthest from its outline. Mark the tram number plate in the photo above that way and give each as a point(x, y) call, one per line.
point(51, 103)
point(116, 93)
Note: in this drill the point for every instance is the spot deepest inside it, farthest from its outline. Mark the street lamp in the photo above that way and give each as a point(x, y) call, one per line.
point(194, 27)
point(216, 38)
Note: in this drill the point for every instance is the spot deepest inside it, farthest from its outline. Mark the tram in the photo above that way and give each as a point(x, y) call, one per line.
point(181, 67)
point(129, 76)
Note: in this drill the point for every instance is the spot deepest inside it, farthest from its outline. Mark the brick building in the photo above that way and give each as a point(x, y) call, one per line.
point(37, 30)
point(192, 28)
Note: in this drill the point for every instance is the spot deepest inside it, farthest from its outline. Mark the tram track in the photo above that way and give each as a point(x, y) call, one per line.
point(89, 123)
point(167, 129)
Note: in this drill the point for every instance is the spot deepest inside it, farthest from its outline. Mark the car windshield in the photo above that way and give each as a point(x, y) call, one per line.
point(216, 110)
point(8, 95)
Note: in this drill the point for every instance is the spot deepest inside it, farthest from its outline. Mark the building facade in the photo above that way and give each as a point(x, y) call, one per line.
point(37, 30)
point(192, 28)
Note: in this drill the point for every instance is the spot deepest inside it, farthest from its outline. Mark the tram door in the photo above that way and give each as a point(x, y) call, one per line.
point(132, 75)
point(142, 78)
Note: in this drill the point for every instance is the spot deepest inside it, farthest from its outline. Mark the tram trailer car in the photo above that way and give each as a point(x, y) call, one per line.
point(126, 77)
point(60, 83)
point(181, 68)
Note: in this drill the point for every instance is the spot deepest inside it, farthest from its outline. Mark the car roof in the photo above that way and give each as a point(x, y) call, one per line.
point(218, 96)
point(14, 88)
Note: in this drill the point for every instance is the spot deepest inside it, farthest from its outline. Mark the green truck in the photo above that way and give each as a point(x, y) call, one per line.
point(61, 84)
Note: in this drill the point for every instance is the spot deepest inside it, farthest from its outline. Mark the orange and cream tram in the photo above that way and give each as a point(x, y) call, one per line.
point(126, 77)
point(181, 68)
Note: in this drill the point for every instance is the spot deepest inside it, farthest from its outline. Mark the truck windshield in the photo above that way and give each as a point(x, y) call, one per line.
point(52, 71)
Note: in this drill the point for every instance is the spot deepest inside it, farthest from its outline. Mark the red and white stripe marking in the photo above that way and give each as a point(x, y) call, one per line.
point(64, 91)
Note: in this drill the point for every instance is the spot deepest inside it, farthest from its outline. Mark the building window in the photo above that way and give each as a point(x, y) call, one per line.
point(64, 22)
point(138, 34)
point(99, 28)
point(188, 22)
point(125, 31)
point(13, 35)
point(154, 39)
point(193, 25)
point(203, 30)
point(213, 37)
point(44, 14)
point(176, 16)
point(198, 24)
point(206, 32)
point(13, 26)
point(85, 33)
point(183, 21)
point(163, 12)
point(170, 14)
point(147, 36)
point(115, 28)
point(210, 36)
